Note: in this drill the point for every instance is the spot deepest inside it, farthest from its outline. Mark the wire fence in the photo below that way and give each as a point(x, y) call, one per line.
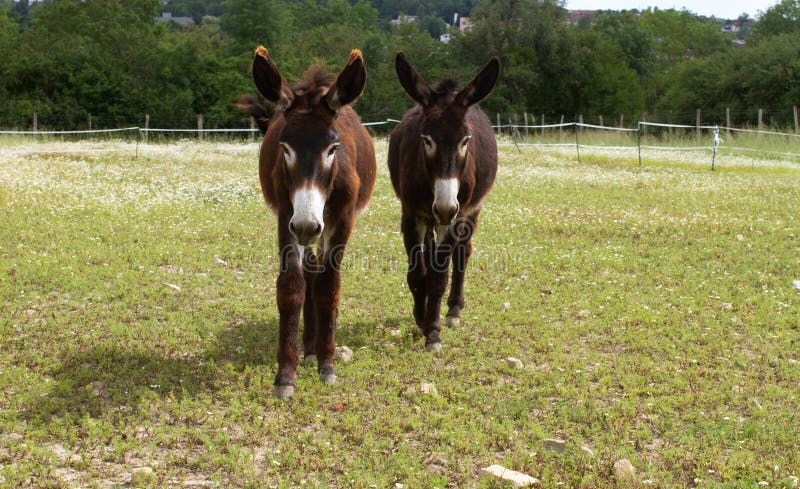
point(646, 136)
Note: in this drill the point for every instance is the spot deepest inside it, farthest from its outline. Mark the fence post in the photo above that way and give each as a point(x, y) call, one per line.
point(601, 121)
point(146, 127)
point(699, 120)
point(525, 117)
point(499, 131)
point(644, 123)
point(561, 129)
point(760, 119)
point(796, 128)
point(577, 138)
point(669, 121)
point(89, 121)
point(621, 121)
point(200, 127)
point(35, 122)
point(580, 125)
point(252, 128)
point(542, 123)
point(728, 120)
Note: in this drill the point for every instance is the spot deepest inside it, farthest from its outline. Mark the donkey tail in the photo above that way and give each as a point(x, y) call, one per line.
point(250, 105)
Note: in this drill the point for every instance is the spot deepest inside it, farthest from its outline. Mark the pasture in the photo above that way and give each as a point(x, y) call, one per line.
point(652, 309)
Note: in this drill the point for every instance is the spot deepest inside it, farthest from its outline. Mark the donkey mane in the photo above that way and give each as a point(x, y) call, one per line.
point(445, 86)
point(313, 85)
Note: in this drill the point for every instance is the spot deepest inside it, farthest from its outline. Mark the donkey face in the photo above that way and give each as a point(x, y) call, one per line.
point(444, 133)
point(309, 142)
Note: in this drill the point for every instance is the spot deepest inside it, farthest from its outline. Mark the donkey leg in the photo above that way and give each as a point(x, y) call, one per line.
point(291, 288)
point(455, 301)
point(327, 286)
point(435, 287)
point(462, 233)
point(309, 317)
point(413, 239)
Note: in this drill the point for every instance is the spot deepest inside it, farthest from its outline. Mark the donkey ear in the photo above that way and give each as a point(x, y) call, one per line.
point(269, 81)
point(415, 86)
point(481, 86)
point(349, 84)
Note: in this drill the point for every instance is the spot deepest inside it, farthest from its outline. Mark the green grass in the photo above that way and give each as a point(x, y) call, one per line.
point(652, 307)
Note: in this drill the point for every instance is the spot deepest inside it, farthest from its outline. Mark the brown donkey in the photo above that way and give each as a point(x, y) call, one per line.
point(442, 161)
point(317, 170)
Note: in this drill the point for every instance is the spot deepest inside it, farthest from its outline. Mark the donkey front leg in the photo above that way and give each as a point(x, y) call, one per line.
point(291, 287)
point(327, 287)
point(462, 231)
point(414, 235)
point(435, 287)
point(309, 316)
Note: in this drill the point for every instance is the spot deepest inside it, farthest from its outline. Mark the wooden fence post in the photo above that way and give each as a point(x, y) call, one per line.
point(252, 128)
point(35, 122)
point(699, 120)
point(621, 121)
point(760, 119)
point(580, 122)
point(499, 131)
point(525, 116)
point(89, 121)
point(669, 121)
point(796, 128)
point(644, 126)
point(728, 120)
point(601, 121)
point(146, 127)
point(200, 127)
point(542, 123)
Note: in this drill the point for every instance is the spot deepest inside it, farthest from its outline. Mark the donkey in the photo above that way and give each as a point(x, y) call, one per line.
point(317, 171)
point(442, 163)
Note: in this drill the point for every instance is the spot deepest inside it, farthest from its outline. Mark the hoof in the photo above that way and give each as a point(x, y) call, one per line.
point(453, 321)
point(329, 378)
point(310, 359)
point(434, 347)
point(283, 392)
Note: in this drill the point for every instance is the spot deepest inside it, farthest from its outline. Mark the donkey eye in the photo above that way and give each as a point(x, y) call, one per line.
point(330, 154)
point(332, 150)
point(430, 145)
point(288, 154)
point(462, 146)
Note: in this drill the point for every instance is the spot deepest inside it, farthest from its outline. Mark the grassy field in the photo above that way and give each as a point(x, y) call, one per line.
point(653, 311)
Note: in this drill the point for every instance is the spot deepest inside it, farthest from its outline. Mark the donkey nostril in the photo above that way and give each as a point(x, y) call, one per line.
point(318, 230)
point(291, 227)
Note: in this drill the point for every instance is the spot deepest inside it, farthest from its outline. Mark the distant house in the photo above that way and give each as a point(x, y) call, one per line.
point(445, 38)
point(732, 26)
point(575, 16)
point(404, 19)
point(167, 17)
point(464, 24)
point(739, 43)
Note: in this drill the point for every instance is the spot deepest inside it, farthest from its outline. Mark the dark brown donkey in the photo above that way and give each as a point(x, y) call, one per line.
point(442, 161)
point(317, 170)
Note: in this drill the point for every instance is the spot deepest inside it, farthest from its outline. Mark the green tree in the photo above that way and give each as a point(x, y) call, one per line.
point(783, 18)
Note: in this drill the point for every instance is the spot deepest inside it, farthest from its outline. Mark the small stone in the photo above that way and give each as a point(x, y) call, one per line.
point(343, 354)
point(555, 444)
point(398, 485)
point(796, 284)
point(740, 237)
point(429, 389)
point(173, 287)
point(515, 362)
point(220, 261)
point(726, 306)
point(517, 478)
point(587, 450)
point(506, 306)
point(623, 469)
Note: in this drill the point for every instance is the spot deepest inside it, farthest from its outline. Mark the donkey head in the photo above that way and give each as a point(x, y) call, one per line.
point(445, 134)
point(309, 141)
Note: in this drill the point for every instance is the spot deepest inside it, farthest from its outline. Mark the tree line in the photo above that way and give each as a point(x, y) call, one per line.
point(66, 59)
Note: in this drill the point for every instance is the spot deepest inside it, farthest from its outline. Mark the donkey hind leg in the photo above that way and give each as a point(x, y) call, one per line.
point(455, 301)
point(309, 317)
point(414, 239)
